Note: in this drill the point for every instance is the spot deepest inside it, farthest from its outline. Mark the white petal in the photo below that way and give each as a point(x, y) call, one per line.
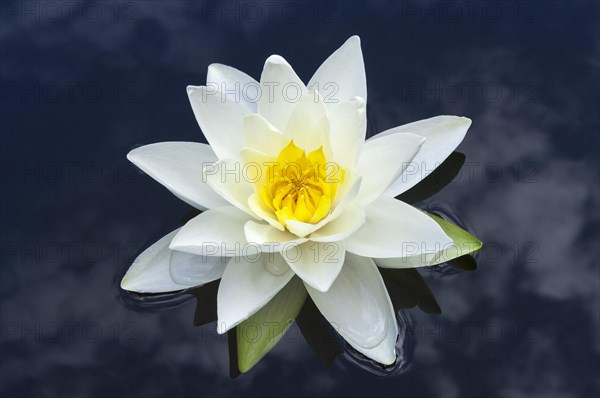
point(396, 229)
point(348, 126)
point(281, 89)
point(220, 118)
point(308, 124)
point(318, 264)
point(382, 161)
point(344, 71)
point(239, 86)
point(228, 178)
point(351, 219)
point(262, 136)
point(270, 239)
point(178, 167)
point(190, 269)
point(255, 164)
point(348, 191)
point(149, 272)
point(216, 232)
point(356, 304)
point(257, 205)
point(384, 352)
point(246, 287)
point(448, 252)
point(443, 134)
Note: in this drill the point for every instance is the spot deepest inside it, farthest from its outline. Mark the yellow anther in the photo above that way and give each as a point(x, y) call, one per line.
point(301, 187)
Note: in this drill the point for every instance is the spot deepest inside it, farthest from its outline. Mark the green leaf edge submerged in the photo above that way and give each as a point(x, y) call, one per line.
point(464, 242)
point(258, 334)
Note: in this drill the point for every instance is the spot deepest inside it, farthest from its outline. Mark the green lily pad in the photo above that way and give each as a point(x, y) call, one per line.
point(464, 242)
point(259, 333)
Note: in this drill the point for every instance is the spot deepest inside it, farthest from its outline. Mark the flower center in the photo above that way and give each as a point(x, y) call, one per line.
point(301, 187)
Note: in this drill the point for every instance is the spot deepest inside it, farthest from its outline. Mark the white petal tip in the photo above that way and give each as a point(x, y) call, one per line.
point(125, 283)
point(377, 355)
point(129, 284)
point(214, 67)
point(131, 156)
point(354, 39)
point(320, 288)
point(323, 288)
point(191, 89)
point(460, 119)
point(137, 155)
point(276, 59)
point(466, 120)
point(387, 360)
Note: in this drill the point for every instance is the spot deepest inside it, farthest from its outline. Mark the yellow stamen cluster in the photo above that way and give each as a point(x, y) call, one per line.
point(301, 187)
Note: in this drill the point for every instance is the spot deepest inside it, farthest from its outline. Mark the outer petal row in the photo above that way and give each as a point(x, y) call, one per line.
point(216, 232)
point(357, 303)
point(396, 229)
point(359, 308)
point(247, 286)
point(391, 229)
point(178, 167)
point(443, 134)
point(159, 269)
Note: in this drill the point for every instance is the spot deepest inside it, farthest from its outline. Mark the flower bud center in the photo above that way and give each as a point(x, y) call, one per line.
point(301, 187)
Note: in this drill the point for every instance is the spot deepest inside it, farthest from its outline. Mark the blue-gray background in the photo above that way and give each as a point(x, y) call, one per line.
point(85, 82)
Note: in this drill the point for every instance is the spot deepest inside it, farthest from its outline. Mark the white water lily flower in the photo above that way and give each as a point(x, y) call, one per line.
point(289, 186)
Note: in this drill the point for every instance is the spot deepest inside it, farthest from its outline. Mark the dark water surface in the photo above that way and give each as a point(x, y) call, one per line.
point(85, 82)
